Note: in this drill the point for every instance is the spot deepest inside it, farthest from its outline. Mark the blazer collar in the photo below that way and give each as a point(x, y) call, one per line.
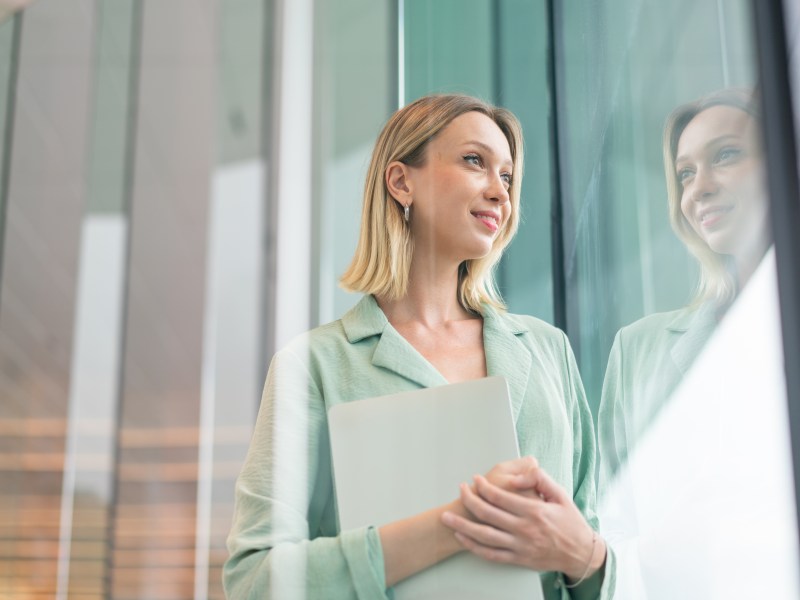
point(393, 352)
point(695, 326)
point(505, 354)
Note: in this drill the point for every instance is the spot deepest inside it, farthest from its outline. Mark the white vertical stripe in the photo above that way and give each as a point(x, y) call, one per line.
point(94, 373)
point(231, 328)
point(723, 43)
point(294, 83)
point(293, 227)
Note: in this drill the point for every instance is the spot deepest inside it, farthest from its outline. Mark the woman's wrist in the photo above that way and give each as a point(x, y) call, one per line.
point(596, 559)
point(446, 539)
point(416, 543)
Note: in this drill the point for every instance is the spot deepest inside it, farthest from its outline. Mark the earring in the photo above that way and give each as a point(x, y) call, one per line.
point(406, 211)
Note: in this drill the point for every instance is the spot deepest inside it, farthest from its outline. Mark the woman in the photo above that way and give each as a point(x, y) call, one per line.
point(719, 209)
point(441, 203)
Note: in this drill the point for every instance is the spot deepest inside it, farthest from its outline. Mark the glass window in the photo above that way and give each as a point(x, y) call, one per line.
point(496, 51)
point(141, 187)
point(671, 302)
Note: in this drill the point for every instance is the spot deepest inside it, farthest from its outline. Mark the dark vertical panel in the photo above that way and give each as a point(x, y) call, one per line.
point(782, 175)
point(449, 47)
point(272, 95)
point(393, 41)
point(556, 198)
point(268, 248)
point(127, 191)
point(521, 44)
point(8, 88)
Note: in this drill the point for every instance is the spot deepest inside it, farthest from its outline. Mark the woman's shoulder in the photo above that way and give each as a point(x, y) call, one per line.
point(323, 337)
point(661, 323)
point(335, 340)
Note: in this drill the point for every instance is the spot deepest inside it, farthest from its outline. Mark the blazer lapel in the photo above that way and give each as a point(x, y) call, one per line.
point(694, 327)
point(506, 355)
point(392, 351)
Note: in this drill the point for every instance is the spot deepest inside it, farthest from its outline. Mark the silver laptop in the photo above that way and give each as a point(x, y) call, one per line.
point(398, 455)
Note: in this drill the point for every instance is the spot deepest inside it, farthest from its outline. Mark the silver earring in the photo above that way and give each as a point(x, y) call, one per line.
point(406, 212)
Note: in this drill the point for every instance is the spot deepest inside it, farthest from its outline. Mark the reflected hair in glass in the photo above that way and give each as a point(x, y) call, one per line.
point(385, 247)
point(717, 284)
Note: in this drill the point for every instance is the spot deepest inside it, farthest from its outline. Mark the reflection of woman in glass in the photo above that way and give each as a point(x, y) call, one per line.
point(441, 203)
point(719, 209)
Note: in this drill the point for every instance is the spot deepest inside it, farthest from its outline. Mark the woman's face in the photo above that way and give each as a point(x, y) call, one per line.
point(460, 192)
point(720, 169)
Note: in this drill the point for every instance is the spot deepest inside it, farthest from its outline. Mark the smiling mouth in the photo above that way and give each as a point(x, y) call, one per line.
point(709, 218)
point(490, 221)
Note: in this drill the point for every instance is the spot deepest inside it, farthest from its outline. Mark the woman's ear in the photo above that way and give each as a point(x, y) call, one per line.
point(398, 182)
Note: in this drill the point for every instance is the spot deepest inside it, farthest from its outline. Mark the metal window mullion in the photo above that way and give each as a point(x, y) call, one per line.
point(556, 195)
point(784, 188)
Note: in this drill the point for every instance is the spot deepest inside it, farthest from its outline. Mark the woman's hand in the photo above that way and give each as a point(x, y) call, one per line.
point(523, 517)
point(518, 475)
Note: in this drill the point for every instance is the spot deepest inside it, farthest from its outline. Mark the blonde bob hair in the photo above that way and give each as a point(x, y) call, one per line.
point(717, 283)
point(385, 247)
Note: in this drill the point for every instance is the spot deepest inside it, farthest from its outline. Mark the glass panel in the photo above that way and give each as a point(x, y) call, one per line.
point(233, 323)
point(354, 43)
point(624, 68)
point(41, 250)
point(130, 371)
point(671, 294)
point(9, 34)
point(497, 51)
point(88, 490)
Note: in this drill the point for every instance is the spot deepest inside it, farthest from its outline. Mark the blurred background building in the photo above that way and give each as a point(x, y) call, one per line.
point(180, 188)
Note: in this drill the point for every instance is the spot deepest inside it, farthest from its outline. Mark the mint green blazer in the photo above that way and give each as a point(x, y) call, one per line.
point(648, 360)
point(285, 537)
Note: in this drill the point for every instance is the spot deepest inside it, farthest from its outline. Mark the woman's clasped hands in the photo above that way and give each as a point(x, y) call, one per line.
point(518, 515)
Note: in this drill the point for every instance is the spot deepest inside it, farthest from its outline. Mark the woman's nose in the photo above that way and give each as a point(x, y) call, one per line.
point(705, 184)
point(497, 190)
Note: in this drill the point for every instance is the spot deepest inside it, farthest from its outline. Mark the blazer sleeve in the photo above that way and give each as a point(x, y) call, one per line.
point(600, 586)
point(273, 551)
point(611, 418)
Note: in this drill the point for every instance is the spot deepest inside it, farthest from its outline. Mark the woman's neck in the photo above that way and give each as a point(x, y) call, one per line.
point(431, 298)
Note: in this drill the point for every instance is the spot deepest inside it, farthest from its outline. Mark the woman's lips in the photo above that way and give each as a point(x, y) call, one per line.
point(710, 217)
point(488, 219)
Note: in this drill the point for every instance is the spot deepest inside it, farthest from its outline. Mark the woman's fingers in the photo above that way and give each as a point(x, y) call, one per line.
point(514, 468)
point(486, 512)
point(549, 490)
point(510, 502)
point(481, 533)
point(486, 552)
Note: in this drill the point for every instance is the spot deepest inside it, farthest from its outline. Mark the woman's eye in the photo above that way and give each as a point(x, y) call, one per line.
point(727, 154)
point(506, 177)
point(473, 159)
point(685, 175)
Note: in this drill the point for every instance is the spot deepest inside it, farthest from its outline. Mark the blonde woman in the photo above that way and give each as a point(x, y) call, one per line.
point(441, 203)
point(719, 209)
